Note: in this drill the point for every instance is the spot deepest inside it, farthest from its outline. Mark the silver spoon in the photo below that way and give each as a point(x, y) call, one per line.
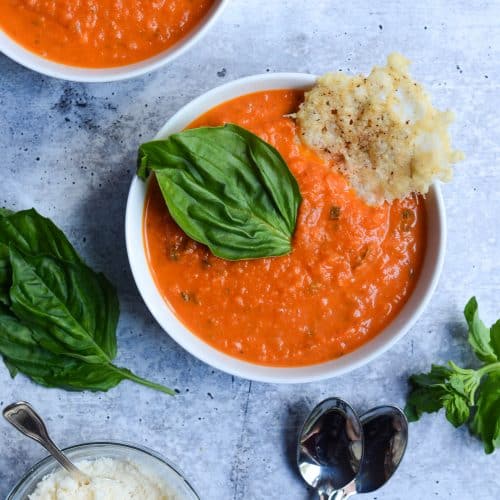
point(26, 420)
point(385, 430)
point(330, 448)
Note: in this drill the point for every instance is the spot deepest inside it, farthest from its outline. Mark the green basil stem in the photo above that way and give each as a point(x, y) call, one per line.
point(492, 367)
point(126, 374)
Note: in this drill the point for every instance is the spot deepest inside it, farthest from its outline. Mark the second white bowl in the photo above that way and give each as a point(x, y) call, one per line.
point(47, 67)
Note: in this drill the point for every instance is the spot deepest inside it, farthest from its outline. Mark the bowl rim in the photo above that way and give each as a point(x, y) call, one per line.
point(25, 57)
point(384, 340)
point(113, 443)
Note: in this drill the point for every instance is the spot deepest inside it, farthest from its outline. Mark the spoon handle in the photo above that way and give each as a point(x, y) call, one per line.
point(26, 420)
point(334, 495)
point(341, 495)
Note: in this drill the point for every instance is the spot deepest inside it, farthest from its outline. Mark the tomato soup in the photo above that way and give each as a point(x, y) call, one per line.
point(352, 267)
point(100, 33)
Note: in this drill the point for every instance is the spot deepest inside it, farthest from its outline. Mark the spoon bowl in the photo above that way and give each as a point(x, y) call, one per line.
point(330, 447)
point(385, 430)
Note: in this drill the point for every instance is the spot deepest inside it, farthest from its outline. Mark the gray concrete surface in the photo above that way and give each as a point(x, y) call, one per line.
point(68, 149)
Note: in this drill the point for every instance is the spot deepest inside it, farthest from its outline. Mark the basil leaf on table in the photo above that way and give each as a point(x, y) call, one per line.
point(58, 325)
point(76, 306)
point(427, 391)
point(468, 396)
point(22, 352)
point(479, 334)
point(32, 234)
point(226, 188)
point(486, 421)
point(495, 338)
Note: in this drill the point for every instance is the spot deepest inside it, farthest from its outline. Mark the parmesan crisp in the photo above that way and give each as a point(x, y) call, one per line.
point(381, 131)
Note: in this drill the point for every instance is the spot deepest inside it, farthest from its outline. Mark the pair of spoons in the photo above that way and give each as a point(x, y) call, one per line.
point(340, 454)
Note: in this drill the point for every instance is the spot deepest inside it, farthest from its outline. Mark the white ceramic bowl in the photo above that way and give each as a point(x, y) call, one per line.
point(141, 455)
point(73, 73)
point(433, 261)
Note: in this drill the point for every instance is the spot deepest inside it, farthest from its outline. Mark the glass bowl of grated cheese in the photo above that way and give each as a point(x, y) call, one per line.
point(119, 471)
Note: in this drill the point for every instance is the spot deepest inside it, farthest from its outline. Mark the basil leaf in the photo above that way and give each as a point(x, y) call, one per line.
point(77, 306)
point(427, 392)
point(452, 388)
point(5, 273)
point(424, 400)
point(60, 326)
point(457, 409)
point(495, 338)
point(32, 234)
point(22, 352)
point(479, 335)
point(464, 381)
point(486, 422)
point(226, 188)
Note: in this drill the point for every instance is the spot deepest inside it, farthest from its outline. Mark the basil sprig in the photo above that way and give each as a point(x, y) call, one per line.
point(468, 396)
point(226, 188)
point(58, 317)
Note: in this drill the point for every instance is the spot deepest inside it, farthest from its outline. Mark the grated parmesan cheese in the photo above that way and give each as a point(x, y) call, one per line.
point(110, 480)
point(381, 130)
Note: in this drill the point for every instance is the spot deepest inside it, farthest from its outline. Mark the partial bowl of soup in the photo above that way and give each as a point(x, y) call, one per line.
point(357, 279)
point(102, 40)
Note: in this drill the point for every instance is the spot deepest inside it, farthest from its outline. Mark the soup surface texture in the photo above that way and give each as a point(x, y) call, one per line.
point(352, 267)
point(99, 33)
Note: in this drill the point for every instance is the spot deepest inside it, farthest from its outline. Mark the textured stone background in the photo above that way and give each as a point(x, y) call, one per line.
point(68, 149)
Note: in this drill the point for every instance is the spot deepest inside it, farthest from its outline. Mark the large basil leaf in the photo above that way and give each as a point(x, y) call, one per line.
point(226, 188)
point(22, 352)
point(32, 234)
point(76, 306)
point(58, 319)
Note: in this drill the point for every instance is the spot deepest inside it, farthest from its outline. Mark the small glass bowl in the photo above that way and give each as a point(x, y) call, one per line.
point(152, 462)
